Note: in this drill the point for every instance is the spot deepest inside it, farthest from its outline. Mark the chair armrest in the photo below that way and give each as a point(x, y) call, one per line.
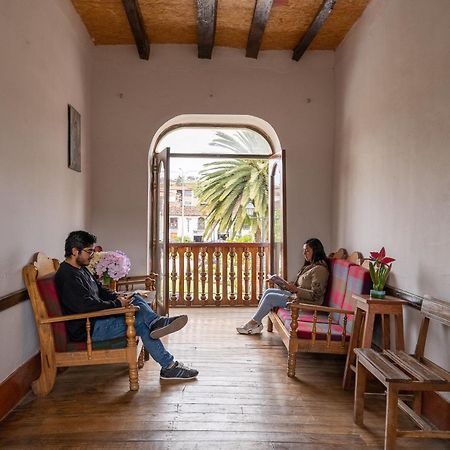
point(309, 306)
point(103, 312)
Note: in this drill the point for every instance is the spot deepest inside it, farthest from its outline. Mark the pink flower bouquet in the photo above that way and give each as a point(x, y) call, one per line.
point(114, 264)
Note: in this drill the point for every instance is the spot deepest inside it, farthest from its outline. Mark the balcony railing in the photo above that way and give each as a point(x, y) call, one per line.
point(219, 273)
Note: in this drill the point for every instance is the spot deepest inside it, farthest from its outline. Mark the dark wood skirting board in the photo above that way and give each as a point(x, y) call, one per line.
point(17, 385)
point(413, 300)
point(13, 299)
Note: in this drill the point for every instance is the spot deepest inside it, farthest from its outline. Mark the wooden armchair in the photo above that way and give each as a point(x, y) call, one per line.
point(322, 329)
point(56, 348)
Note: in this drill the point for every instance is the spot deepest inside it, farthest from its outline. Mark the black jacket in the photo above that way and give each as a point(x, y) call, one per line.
point(79, 292)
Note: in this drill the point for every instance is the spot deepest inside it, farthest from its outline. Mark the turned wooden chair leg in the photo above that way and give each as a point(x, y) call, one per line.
point(390, 434)
point(360, 388)
point(292, 362)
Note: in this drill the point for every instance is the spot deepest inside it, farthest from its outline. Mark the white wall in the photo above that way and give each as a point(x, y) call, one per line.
point(45, 64)
point(133, 98)
point(392, 159)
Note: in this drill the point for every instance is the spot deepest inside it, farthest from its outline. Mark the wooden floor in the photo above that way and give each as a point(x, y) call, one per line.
point(241, 400)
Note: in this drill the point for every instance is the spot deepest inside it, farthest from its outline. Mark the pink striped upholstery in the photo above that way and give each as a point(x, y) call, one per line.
point(358, 282)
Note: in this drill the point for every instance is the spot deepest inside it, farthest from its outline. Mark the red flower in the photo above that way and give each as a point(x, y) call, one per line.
point(380, 257)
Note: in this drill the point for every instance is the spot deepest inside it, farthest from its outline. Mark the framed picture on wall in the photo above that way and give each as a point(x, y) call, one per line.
point(74, 139)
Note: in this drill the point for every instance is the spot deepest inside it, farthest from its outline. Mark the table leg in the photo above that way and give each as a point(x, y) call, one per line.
point(347, 381)
point(399, 336)
point(385, 325)
point(360, 388)
point(368, 331)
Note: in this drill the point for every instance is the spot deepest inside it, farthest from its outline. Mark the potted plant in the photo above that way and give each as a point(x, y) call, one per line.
point(379, 266)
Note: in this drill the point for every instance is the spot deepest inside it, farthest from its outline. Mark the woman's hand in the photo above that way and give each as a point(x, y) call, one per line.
point(291, 287)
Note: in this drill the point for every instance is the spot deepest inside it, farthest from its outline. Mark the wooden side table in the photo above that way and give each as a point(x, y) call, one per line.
point(366, 310)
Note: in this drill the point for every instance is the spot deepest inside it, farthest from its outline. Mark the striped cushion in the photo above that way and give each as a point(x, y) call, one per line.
point(358, 282)
point(304, 316)
point(47, 291)
point(337, 285)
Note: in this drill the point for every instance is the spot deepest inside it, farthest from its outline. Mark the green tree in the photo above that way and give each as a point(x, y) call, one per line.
point(226, 187)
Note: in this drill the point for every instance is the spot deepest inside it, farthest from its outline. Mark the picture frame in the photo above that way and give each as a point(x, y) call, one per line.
point(74, 120)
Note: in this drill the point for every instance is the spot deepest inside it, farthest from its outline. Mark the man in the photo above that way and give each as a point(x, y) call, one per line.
point(79, 292)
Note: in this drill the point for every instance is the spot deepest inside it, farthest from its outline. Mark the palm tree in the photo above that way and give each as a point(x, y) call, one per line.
point(226, 188)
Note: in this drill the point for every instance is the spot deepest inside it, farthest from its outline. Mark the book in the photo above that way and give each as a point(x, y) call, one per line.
point(280, 282)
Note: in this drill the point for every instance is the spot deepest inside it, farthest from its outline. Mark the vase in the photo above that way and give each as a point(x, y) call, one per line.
point(377, 294)
point(106, 280)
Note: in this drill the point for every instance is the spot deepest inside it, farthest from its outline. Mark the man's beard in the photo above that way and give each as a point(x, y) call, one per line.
point(81, 263)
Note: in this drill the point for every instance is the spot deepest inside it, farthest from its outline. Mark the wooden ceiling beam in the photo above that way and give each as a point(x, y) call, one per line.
point(206, 27)
point(313, 29)
point(137, 27)
point(259, 21)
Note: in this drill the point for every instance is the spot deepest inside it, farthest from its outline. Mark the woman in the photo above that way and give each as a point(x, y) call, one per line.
point(309, 287)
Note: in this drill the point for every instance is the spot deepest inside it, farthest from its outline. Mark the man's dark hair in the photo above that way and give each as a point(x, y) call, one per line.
point(78, 239)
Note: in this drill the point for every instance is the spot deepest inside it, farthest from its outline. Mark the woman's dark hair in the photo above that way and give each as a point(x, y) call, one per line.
point(318, 251)
point(79, 240)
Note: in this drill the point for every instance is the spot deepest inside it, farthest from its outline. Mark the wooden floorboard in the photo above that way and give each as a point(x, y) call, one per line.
point(242, 399)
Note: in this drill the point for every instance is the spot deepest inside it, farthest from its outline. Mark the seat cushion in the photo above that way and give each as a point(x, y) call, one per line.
point(47, 291)
point(304, 316)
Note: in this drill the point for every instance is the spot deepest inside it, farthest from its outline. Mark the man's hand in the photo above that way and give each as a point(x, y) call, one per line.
point(125, 300)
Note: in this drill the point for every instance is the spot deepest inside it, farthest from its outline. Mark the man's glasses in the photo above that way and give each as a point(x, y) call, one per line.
point(90, 251)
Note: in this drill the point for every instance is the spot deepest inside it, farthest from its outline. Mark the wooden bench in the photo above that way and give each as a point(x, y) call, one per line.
point(327, 328)
point(56, 348)
point(399, 371)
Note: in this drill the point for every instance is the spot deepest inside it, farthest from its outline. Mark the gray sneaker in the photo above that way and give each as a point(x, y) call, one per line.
point(178, 372)
point(167, 325)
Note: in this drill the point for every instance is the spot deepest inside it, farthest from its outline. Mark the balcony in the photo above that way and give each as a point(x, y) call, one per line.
point(217, 273)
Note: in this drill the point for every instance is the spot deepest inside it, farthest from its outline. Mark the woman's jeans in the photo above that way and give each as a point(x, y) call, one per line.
point(272, 297)
point(115, 327)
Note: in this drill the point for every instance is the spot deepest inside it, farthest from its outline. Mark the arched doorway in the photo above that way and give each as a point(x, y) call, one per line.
point(213, 273)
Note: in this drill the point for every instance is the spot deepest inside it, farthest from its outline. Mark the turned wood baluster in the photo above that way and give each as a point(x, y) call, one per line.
point(246, 276)
point(239, 275)
point(173, 276)
point(195, 251)
point(132, 363)
point(254, 273)
point(210, 300)
point(182, 276)
point(330, 321)
point(344, 331)
point(225, 299)
point(89, 339)
point(260, 272)
point(217, 276)
point(314, 328)
point(203, 275)
point(188, 276)
point(232, 275)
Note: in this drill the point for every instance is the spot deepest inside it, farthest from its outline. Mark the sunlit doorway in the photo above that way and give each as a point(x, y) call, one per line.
point(216, 216)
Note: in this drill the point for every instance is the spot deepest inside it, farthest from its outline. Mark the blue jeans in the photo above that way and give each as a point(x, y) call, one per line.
point(272, 297)
point(115, 327)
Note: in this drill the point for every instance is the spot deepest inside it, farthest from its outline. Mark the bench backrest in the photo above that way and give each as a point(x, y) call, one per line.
point(358, 282)
point(431, 309)
point(337, 284)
